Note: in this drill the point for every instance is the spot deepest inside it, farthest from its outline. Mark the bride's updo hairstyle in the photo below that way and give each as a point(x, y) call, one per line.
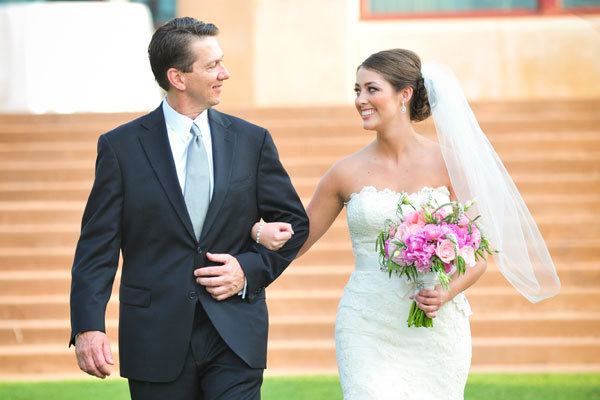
point(402, 68)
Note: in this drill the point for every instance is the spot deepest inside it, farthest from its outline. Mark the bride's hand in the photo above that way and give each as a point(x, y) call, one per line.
point(273, 235)
point(430, 301)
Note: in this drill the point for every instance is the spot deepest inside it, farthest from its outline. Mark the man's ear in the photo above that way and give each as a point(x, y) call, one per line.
point(176, 79)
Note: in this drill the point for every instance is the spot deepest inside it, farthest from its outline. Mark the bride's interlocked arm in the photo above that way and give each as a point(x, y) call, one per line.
point(322, 211)
point(324, 207)
point(273, 235)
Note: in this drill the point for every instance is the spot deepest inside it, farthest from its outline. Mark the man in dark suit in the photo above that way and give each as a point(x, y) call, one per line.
point(177, 192)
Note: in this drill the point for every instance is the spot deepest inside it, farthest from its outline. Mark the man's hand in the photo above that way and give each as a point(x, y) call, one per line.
point(92, 349)
point(221, 281)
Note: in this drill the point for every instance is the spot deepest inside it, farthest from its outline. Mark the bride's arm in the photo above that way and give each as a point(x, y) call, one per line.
point(324, 207)
point(322, 210)
point(430, 301)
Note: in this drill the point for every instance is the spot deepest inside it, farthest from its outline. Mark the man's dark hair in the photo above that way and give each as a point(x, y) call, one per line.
point(170, 46)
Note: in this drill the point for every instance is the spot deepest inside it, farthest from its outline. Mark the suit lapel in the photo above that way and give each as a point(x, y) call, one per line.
point(223, 144)
point(155, 143)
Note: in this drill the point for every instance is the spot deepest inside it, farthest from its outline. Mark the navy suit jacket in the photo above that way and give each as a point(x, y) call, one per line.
point(136, 208)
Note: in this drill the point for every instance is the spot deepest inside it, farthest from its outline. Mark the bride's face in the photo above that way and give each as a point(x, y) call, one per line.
point(376, 99)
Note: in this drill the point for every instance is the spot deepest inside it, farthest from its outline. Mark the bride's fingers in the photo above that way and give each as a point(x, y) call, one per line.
point(435, 302)
point(285, 227)
point(429, 293)
point(283, 236)
point(428, 307)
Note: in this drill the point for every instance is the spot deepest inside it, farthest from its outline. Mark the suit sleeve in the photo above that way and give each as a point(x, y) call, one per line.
point(97, 254)
point(277, 201)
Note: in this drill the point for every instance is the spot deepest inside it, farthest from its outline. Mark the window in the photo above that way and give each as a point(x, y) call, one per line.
point(386, 9)
point(575, 4)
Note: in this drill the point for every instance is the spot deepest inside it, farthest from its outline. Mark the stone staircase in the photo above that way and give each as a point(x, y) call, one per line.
point(552, 150)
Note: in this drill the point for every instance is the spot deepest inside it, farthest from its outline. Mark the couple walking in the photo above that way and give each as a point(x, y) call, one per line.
point(179, 192)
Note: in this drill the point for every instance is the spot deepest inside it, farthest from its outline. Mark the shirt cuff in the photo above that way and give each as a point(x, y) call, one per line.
point(243, 291)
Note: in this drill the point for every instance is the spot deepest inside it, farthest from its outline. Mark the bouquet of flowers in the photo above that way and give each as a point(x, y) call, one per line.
point(428, 245)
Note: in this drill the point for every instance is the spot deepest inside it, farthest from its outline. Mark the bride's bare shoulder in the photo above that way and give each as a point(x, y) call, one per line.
point(344, 171)
point(433, 162)
point(432, 154)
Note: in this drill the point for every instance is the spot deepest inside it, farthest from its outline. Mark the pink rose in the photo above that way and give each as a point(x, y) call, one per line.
point(415, 217)
point(443, 213)
point(464, 221)
point(468, 254)
point(390, 248)
point(445, 251)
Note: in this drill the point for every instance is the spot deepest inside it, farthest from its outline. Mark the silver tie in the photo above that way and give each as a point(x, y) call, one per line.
point(197, 182)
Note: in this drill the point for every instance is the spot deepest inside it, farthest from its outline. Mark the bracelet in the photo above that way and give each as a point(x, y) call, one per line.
point(258, 232)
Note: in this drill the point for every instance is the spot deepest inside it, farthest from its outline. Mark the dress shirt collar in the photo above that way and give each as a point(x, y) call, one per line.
point(181, 124)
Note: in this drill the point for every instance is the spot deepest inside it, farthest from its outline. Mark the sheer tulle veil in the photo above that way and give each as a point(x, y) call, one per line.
point(476, 172)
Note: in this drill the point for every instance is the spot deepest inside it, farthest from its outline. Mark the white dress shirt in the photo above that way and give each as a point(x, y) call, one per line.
point(179, 132)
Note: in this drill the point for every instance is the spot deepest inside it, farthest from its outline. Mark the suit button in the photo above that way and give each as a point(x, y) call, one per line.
point(192, 295)
point(199, 250)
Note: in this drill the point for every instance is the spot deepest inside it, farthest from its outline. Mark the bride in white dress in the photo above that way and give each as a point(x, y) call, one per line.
point(379, 356)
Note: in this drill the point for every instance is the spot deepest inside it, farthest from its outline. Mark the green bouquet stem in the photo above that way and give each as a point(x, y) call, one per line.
point(417, 317)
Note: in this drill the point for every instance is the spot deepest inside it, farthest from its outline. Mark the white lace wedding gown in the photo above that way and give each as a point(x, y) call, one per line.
point(378, 356)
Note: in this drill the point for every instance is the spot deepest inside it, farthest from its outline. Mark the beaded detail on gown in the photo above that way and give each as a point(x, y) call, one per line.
point(378, 356)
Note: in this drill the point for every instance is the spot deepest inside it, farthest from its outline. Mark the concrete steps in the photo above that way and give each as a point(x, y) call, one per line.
point(551, 149)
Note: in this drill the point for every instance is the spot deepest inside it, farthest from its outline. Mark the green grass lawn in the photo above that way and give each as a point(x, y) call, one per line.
point(479, 387)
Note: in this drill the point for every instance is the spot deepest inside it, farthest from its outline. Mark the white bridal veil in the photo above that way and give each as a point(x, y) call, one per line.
point(476, 172)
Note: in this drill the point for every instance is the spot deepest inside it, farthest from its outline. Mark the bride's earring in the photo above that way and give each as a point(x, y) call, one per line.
point(403, 109)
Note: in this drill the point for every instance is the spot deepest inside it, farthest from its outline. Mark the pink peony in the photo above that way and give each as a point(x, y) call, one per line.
point(410, 230)
point(461, 234)
point(445, 251)
point(475, 238)
point(448, 267)
point(418, 252)
point(415, 242)
point(432, 232)
point(468, 254)
point(423, 262)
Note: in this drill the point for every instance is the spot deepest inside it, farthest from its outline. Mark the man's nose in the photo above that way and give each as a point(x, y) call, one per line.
point(224, 74)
